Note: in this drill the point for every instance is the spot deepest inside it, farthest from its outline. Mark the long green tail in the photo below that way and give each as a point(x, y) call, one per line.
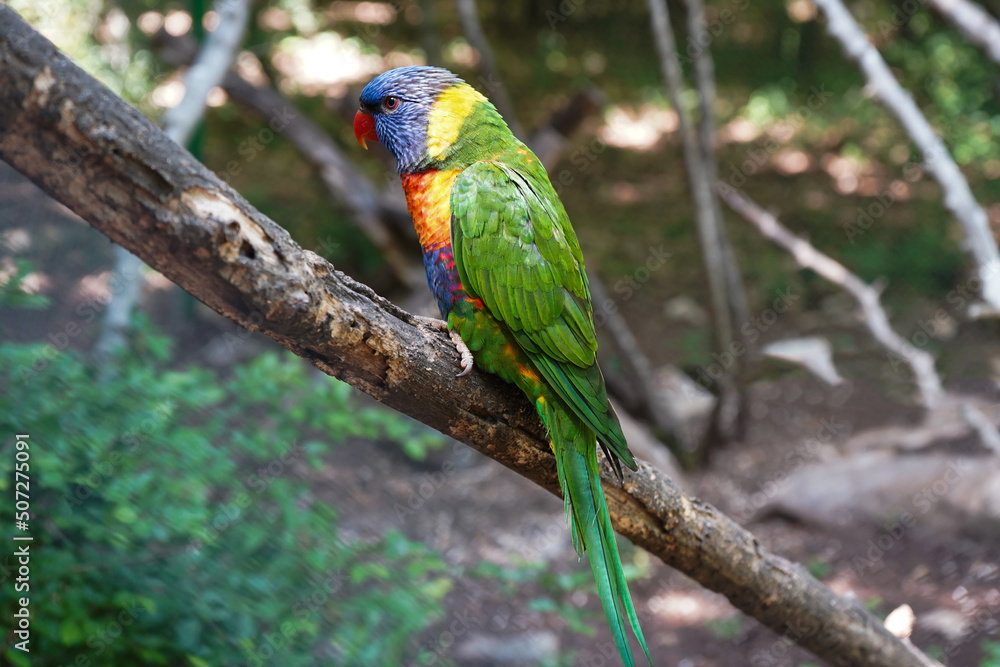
point(575, 448)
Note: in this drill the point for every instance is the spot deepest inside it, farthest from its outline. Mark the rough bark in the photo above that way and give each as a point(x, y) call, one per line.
point(119, 172)
point(179, 123)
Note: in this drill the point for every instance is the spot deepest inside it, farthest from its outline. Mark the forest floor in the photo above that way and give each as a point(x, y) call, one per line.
point(484, 512)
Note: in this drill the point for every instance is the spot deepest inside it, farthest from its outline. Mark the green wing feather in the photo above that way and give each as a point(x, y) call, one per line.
point(516, 250)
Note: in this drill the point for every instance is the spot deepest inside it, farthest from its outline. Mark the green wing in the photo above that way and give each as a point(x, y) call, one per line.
point(516, 251)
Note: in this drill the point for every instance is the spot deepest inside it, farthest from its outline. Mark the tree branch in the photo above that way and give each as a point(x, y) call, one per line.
point(868, 297)
point(651, 403)
point(701, 189)
point(958, 197)
point(704, 74)
point(725, 287)
point(469, 16)
point(179, 122)
point(978, 25)
point(117, 170)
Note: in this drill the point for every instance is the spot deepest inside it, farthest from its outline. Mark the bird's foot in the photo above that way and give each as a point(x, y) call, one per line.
point(463, 349)
point(432, 322)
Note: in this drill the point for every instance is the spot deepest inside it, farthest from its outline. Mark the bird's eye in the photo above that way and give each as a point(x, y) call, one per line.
point(390, 103)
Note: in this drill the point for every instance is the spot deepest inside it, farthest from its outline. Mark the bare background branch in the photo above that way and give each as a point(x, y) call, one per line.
point(867, 296)
point(958, 197)
point(978, 25)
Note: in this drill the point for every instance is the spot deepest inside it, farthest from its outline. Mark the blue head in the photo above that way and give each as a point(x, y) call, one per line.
point(395, 110)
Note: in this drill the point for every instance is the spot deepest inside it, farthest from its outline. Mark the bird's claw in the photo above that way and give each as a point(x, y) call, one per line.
point(456, 338)
point(432, 322)
point(464, 351)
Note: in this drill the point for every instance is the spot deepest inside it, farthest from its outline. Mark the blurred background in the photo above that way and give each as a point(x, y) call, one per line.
point(202, 497)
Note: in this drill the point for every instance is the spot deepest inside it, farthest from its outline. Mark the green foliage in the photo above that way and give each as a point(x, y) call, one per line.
point(12, 294)
point(819, 568)
point(921, 259)
point(172, 527)
point(874, 605)
point(725, 629)
point(991, 654)
point(935, 652)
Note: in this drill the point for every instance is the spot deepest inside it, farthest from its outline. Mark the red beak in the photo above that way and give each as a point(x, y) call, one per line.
point(364, 128)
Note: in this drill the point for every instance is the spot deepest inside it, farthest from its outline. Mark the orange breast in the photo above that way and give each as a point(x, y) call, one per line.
point(428, 196)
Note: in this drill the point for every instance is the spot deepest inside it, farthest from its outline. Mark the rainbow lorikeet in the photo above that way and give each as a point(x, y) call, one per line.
point(506, 269)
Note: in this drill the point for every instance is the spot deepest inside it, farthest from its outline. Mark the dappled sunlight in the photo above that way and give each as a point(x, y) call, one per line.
point(844, 171)
point(250, 68)
point(637, 129)
point(625, 193)
point(156, 281)
point(792, 161)
point(323, 64)
point(216, 97)
point(460, 52)
point(688, 609)
point(94, 287)
point(801, 11)
point(177, 23)
point(15, 240)
point(168, 94)
point(991, 169)
point(150, 22)
point(378, 13)
point(36, 282)
point(739, 130)
point(211, 20)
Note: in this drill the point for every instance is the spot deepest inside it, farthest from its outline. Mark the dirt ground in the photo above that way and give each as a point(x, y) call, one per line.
point(483, 512)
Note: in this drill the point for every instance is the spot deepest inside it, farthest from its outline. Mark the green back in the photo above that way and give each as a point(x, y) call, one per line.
point(515, 249)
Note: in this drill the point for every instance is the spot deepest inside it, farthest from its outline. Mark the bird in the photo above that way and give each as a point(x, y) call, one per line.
point(505, 267)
